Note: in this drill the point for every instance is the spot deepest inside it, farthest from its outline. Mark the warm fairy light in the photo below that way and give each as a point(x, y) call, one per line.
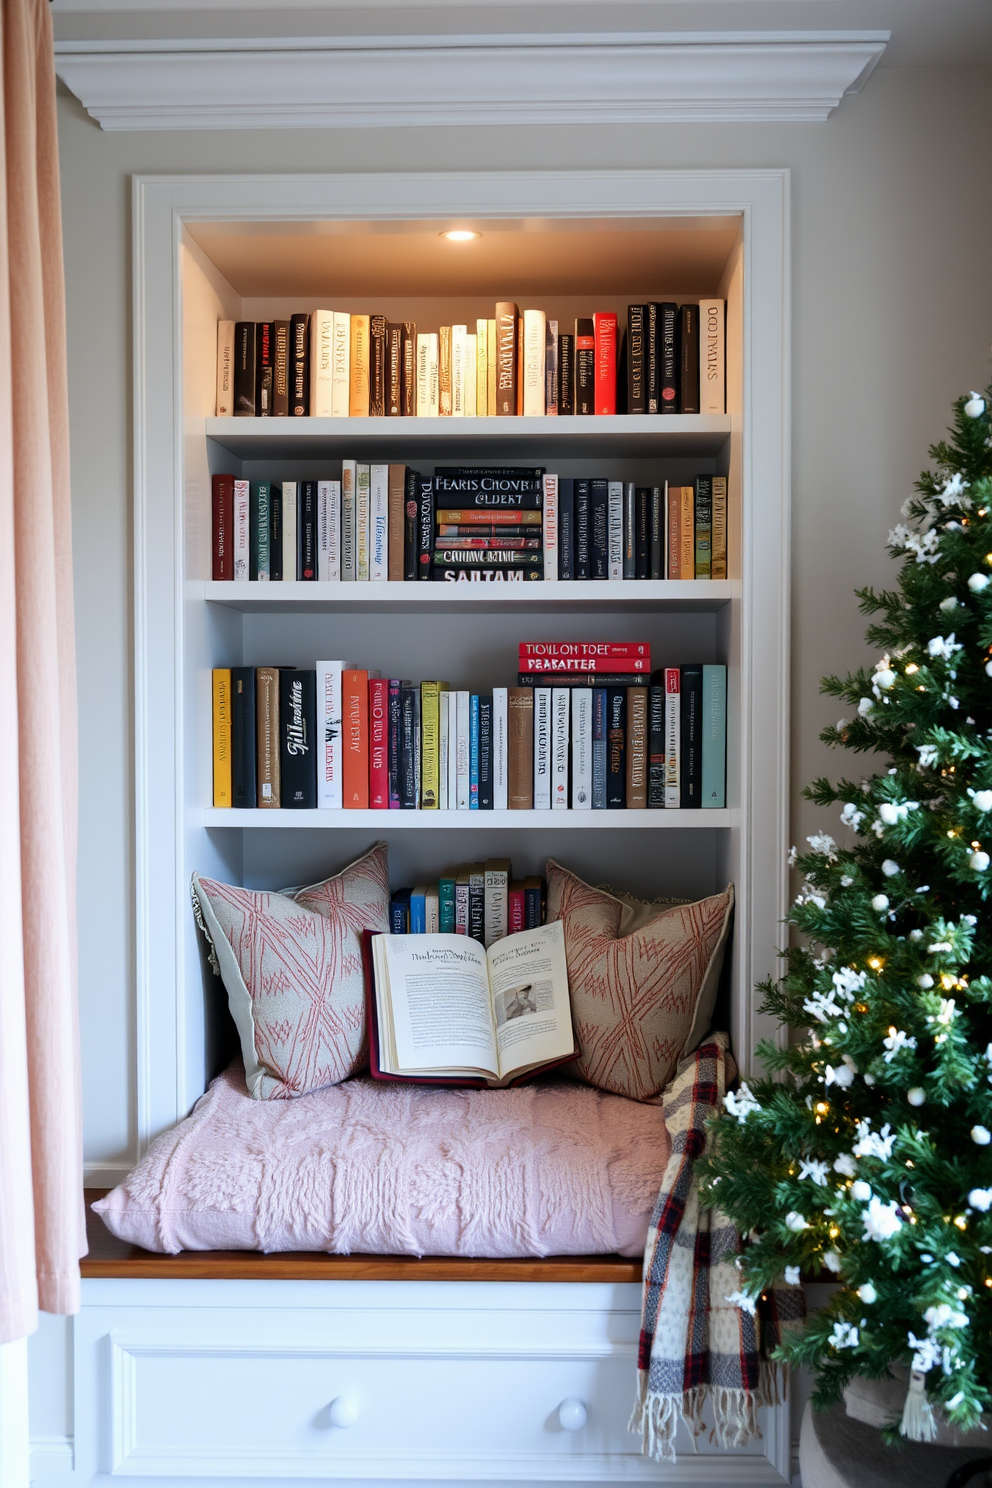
point(921, 689)
point(952, 834)
point(988, 1281)
point(833, 1232)
point(910, 1163)
point(976, 844)
point(822, 1107)
point(988, 557)
point(459, 235)
point(876, 963)
point(911, 669)
point(982, 511)
point(947, 982)
point(961, 1222)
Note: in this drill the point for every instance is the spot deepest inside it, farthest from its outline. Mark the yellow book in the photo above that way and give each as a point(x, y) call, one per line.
point(222, 736)
point(687, 534)
point(430, 744)
point(491, 369)
point(358, 400)
point(444, 398)
point(481, 368)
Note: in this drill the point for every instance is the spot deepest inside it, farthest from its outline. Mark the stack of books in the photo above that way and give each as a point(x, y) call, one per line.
point(481, 900)
point(589, 726)
point(668, 358)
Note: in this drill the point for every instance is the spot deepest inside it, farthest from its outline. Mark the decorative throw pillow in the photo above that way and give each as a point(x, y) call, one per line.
point(642, 978)
point(292, 967)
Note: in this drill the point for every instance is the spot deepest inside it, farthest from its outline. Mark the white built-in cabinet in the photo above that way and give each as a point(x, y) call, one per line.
point(424, 1381)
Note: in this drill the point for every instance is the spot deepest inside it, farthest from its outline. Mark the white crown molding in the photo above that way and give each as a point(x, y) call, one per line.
point(367, 82)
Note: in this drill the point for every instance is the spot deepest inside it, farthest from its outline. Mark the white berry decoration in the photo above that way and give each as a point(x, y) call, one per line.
point(981, 1198)
point(880, 902)
point(975, 406)
point(980, 1135)
point(978, 582)
point(982, 800)
point(916, 1096)
point(979, 861)
point(867, 1293)
point(861, 1191)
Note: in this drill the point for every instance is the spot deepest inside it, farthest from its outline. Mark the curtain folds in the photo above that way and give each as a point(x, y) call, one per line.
point(42, 1233)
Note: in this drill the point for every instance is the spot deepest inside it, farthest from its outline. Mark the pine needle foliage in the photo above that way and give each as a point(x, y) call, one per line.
point(867, 1149)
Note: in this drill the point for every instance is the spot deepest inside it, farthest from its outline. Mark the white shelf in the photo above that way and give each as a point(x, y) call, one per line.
point(252, 597)
point(476, 821)
point(698, 434)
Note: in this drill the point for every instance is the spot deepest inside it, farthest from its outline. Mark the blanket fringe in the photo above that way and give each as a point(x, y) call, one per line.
point(655, 1419)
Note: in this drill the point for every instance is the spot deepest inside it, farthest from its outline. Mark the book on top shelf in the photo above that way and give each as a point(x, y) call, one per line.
point(444, 1010)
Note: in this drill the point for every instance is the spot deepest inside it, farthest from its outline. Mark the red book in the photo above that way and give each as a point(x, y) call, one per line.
point(611, 664)
point(355, 740)
point(379, 744)
point(223, 527)
point(612, 650)
point(605, 328)
point(515, 909)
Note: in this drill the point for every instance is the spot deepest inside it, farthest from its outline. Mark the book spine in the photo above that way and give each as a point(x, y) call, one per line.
point(280, 369)
point(473, 752)
point(363, 514)
point(378, 523)
point(637, 748)
point(409, 754)
point(399, 912)
point(506, 358)
point(637, 653)
point(668, 358)
point(656, 748)
point(497, 891)
point(533, 905)
point(712, 357)
point(551, 369)
point(222, 736)
point(606, 361)
point(474, 557)
point(425, 527)
point(446, 905)
point(378, 744)
point(719, 538)
point(341, 365)
point(520, 749)
point(599, 732)
point(673, 497)
point(501, 749)
point(692, 736)
point(430, 762)
point(599, 529)
point(520, 366)
point(444, 389)
point(260, 521)
point(614, 502)
point(275, 533)
point(334, 531)
point(267, 789)
point(458, 349)
point(394, 728)
point(451, 788)
point(581, 700)
point(583, 560)
point(476, 901)
point(321, 364)
point(329, 754)
point(616, 754)
point(349, 522)
point(224, 403)
point(566, 375)
point(482, 368)
point(549, 532)
point(491, 367)
point(703, 516)
point(714, 730)
point(535, 356)
point(264, 368)
point(297, 739)
point(394, 369)
point(560, 710)
point(673, 737)
point(585, 367)
point(485, 752)
point(408, 373)
point(323, 531)
point(244, 369)
point(359, 363)
point(642, 550)
point(652, 363)
point(299, 366)
point(583, 679)
point(222, 504)
point(688, 358)
point(408, 534)
point(396, 539)
point(423, 375)
point(355, 739)
point(542, 749)
point(515, 908)
point(243, 737)
point(656, 534)
point(471, 398)
point(307, 530)
point(443, 747)
point(418, 910)
point(461, 903)
point(463, 730)
point(637, 401)
point(290, 532)
point(460, 574)
point(629, 530)
point(241, 561)
point(687, 533)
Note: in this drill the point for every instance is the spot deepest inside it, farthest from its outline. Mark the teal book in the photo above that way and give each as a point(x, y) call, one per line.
point(260, 530)
point(446, 903)
point(714, 792)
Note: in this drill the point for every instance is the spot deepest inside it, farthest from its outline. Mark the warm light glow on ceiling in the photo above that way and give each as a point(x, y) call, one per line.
point(460, 235)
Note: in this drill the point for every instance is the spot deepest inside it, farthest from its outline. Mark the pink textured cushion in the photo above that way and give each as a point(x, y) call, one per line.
point(546, 1169)
point(292, 968)
point(642, 978)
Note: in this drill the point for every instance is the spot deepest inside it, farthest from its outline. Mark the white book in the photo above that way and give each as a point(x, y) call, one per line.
point(535, 334)
point(328, 531)
point(542, 748)
point(452, 750)
point(289, 543)
point(614, 530)
point(496, 901)
point(349, 522)
point(341, 366)
point(482, 368)
point(433, 374)
point(561, 698)
point(673, 737)
point(378, 523)
point(458, 356)
point(462, 732)
point(423, 375)
point(444, 751)
point(501, 750)
point(432, 910)
point(549, 529)
point(225, 368)
point(242, 538)
point(712, 357)
point(330, 759)
point(362, 516)
point(471, 376)
point(321, 353)
point(581, 748)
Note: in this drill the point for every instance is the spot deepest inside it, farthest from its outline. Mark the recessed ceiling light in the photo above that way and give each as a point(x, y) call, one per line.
point(460, 235)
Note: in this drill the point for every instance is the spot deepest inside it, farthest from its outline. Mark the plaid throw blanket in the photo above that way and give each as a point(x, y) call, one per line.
point(697, 1348)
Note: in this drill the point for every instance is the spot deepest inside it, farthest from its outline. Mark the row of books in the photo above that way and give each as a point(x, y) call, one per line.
point(589, 730)
point(481, 900)
point(668, 358)
point(387, 522)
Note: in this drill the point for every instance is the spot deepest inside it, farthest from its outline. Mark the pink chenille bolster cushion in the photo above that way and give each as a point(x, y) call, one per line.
point(547, 1169)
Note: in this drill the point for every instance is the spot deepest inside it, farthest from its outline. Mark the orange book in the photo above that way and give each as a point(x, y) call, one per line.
point(355, 740)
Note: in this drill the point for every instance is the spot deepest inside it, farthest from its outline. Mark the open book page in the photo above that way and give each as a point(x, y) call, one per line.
point(441, 1014)
point(529, 984)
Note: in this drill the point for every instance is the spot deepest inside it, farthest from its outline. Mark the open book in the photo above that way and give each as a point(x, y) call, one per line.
point(443, 1009)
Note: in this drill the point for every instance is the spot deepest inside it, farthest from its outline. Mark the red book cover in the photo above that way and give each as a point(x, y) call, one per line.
point(515, 909)
point(611, 664)
point(379, 743)
point(355, 740)
point(223, 527)
point(606, 361)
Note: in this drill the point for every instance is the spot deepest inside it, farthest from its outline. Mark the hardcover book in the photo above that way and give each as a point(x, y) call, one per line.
point(718, 546)
point(299, 366)
point(280, 368)
point(222, 735)
point(688, 358)
point(297, 739)
point(222, 502)
point(243, 741)
point(267, 736)
point(329, 743)
point(692, 736)
point(378, 744)
point(605, 333)
point(703, 522)
point(358, 372)
point(566, 374)
point(585, 367)
point(637, 401)
point(264, 368)
point(668, 358)
point(341, 365)
point(244, 369)
point(714, 731)
point(378, 371)
point(712, 357)
point(224, 406)
point(322, 364)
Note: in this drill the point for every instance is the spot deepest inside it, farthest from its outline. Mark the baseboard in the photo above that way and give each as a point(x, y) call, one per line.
point(105, 1175)
point(52, 1461)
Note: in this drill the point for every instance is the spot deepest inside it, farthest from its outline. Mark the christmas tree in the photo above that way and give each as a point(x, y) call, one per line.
point(866, 1151)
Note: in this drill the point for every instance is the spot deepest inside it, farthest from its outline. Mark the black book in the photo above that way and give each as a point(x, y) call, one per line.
point(485, 752)
point(668, 358)
point(306, 529)
point(299, 365)
point(629, 530)
point(477, 902)
point(566, 375)
point(410, 525)
point(280, 368)
point(688, 359)
point(425, 526)
point(616, 748)
point(652, 377)
point(533, 903)
point(275, 532)
point(264, 368)
point(656, 747)
point(453, 573)
point(399, 912)
point(409, 747)
point(394, 369)
point(582, 533)
point(499, 489)
point(298, 738)
point(585, 367)
point(530, 475)
point(243, 736)
point(691, 760)
point(582, 679)
point(244, 369)
point(621, 370)
point(599, 522)
point(637, 396)
point(642, 542)
point(656, 534)
point(378, 366)
point(566, 527)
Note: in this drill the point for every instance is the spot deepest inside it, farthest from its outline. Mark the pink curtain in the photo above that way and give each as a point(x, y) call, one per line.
point(42, 1234)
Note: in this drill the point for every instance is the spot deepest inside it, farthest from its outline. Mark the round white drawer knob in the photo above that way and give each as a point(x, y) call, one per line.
point(343, 1411)
point(572, 1414)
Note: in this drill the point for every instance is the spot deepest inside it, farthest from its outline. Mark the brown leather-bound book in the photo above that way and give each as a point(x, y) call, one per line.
point(394, 370)
point(396, 522)
point(520, 754)
point(267, 745)
point(377, 366)
point(637, 748)
point(408, 385)
point(444, 372)
point(507, 316)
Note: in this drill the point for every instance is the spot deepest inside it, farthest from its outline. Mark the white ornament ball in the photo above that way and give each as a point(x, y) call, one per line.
point(978, 582)
point(795, 1222)
point(980, 1135)
point(975, 406)
point(925, 981)
point(916, 934)
point(890, 867)
point(949, 604)
point(988, 669)
point(832, 1261)
point(981, 1198)
point(869, 1079)
point(916, 1096)
point(979, 861)
point(888, 813)
point(885, 677)
point(880, 902)
point(982, 800)
point(867, 1293)
point(861, 1191)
